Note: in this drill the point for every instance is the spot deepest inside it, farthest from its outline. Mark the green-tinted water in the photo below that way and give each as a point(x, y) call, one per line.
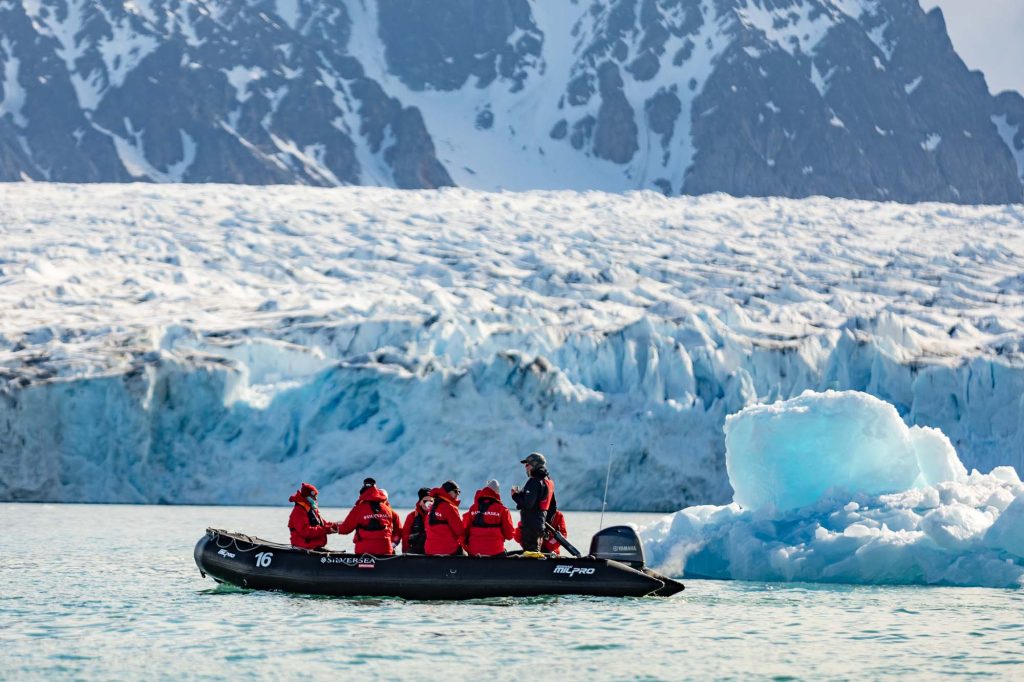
point(111, 592)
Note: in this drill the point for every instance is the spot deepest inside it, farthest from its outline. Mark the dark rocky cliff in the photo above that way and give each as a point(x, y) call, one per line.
point(859, 98)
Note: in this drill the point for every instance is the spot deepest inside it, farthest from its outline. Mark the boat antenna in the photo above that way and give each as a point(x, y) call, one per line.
point(607, 477)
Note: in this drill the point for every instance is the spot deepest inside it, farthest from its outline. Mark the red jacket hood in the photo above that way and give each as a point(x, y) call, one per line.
point(486, 492)
point(373, 494)
point(442, 494)
point(304, 491)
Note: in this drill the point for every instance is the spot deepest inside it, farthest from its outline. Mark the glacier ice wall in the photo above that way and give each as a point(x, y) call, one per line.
point(833, 487)
point(219, 344)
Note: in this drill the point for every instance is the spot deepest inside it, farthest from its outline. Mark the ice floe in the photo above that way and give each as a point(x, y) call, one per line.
point(834, 487)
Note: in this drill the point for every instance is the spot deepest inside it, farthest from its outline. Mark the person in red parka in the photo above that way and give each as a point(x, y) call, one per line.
point(488, 522)
point(549, 543)
point(414, 532)
point(308, 528)
point(445, 532)
point(378, 527)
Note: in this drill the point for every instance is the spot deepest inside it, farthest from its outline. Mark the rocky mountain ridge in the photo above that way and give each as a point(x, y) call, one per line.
point(849, 98)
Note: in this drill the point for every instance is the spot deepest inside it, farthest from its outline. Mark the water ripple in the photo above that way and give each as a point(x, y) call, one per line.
point(81, 614)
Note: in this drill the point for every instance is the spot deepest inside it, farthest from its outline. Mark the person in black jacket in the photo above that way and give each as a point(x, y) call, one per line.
point(414, 532)
point(535, 501)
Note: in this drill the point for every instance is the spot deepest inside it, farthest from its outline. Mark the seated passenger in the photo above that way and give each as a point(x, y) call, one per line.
point(377, 526)
point(549, 543)
point(414, 532)
point(445, 532)
point(488, 522)
point(308, 528)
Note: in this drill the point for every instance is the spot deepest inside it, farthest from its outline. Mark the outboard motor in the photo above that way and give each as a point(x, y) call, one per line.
point(619, 543)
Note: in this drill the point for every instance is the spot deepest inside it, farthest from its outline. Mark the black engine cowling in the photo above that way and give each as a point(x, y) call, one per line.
point(619, 543)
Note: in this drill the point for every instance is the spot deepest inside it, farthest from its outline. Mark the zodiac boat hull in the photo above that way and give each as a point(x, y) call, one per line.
point(252, 563)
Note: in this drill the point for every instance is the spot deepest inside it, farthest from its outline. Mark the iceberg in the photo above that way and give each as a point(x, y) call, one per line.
point(789, 454)
point(834, 487)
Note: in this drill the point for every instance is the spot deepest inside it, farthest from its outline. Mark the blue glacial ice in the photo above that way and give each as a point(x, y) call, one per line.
point(215, 344)
point(791, 454)
point(834, 487)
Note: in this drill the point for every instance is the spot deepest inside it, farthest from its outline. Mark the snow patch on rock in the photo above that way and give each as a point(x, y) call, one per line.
point(1010, 135)
point(13, 93)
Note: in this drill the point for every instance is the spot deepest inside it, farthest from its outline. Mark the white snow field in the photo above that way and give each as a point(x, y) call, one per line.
point(220, 344)
point(834, 487)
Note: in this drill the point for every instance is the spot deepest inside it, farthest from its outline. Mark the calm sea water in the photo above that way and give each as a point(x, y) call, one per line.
point(98, 592)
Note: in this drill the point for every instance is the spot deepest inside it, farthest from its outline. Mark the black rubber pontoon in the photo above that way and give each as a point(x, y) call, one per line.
point(256, 564)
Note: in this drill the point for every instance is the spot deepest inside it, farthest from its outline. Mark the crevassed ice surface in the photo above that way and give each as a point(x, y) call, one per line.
point(220, 344)
point(833, 487)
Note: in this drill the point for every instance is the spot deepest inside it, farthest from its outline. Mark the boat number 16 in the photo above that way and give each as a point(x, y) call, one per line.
point(263, 559)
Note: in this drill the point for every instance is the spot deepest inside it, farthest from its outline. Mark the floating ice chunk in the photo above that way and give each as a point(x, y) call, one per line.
point(825, 491)
point(793, 453)
point(936, 457)
point(1007, 533)
point(1008, 474)
point(955, 525)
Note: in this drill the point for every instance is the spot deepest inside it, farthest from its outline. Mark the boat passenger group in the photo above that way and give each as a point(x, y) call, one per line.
point(435, 526)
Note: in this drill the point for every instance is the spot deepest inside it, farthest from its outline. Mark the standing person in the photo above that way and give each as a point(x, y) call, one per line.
point(308, 529)
point(445, 532)
point(488, 522)
point(378, 527)
point(414, 532)
point(535, 501)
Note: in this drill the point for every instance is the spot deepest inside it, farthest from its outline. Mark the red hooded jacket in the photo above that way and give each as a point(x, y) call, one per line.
point(445, 532)
point(308, 528)
point(488, 524)
point(549, 544)
point(376, 524)
point(414, 534)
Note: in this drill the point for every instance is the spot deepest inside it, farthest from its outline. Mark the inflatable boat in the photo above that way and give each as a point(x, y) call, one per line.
point(614, 568)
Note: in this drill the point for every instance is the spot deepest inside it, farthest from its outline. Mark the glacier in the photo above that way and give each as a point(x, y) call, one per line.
point(834, 487)
point(218, 344)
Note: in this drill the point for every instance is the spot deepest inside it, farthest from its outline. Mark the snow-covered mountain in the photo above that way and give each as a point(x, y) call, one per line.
point(851, 98)
point(220, 344)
